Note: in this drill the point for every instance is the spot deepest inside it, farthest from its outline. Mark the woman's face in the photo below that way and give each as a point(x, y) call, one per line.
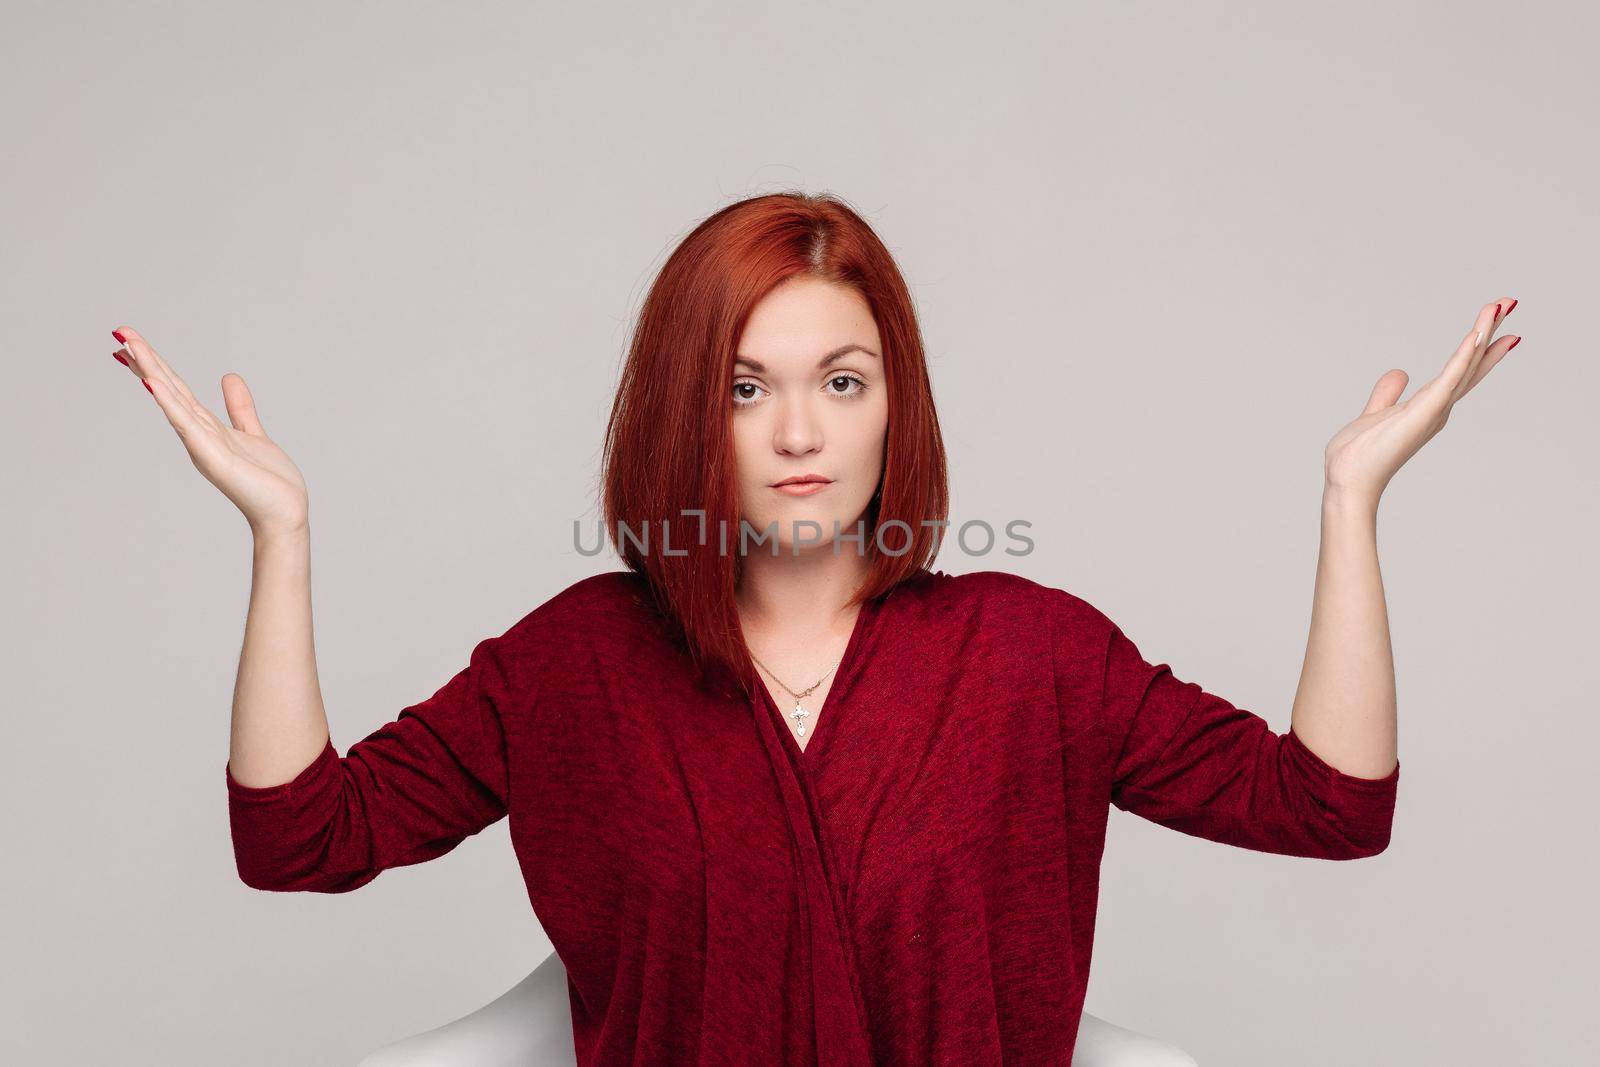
point(808, 398)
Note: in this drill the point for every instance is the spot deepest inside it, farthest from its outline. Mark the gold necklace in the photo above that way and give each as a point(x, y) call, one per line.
point(799, 713)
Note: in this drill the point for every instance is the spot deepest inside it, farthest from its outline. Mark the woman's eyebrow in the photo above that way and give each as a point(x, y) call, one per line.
point(837, 354)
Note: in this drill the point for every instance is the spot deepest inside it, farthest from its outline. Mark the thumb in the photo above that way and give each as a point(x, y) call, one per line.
point(241, 406)
point(1386, 391)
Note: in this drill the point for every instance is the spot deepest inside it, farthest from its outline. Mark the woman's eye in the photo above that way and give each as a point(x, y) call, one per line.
point(743, 399)
point(846, 380)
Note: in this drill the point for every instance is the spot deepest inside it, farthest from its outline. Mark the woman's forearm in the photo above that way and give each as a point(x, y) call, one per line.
point(279, 724)
point(1344, 707)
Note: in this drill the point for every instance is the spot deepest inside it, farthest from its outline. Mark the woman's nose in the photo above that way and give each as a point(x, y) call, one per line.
point(798, 430)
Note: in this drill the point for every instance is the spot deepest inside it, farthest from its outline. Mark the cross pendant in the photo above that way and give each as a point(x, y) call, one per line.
point(799, 715)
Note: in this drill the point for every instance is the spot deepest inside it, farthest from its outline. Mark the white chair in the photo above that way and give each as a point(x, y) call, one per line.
point(532, 1024)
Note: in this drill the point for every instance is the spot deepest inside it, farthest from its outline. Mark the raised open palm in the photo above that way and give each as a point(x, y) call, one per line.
point(240, 460)
point(1364, 455)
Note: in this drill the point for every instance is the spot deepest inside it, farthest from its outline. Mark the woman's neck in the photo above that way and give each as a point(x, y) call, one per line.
point(795, 598)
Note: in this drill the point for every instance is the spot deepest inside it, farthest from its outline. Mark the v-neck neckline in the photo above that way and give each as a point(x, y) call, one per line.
point(823, 730)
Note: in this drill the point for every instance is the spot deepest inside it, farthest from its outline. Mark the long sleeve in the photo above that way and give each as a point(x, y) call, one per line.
point(411, 791)
point(1192, 761)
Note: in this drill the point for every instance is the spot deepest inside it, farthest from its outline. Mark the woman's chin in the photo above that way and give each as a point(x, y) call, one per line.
point(801, 530)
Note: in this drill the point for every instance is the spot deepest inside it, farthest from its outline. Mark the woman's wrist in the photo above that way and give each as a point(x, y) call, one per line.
point(276, 540)
point(1343, 501)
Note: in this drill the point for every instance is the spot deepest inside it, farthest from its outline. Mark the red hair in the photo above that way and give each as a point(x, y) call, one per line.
point(669, 440)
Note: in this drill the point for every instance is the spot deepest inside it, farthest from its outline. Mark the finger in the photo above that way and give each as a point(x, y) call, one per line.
point(241, 405)
point(1486, 322)
point(1442, 390)
point(141, 361)
point(1488, 319)
point(177, 412)
point(1502, 308)
point(125, 356)
point(149, 364)
point(1386, 391)
point(1497, 313)
point(1439, 391)
point(1485, 365)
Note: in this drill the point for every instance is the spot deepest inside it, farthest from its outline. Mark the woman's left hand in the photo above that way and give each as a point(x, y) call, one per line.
point(1363, 456)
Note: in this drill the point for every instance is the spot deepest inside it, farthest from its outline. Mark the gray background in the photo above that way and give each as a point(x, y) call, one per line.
point(1161, 253)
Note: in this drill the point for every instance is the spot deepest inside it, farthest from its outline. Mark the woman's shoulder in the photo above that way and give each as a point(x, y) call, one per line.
point(1009, 590)
point(1065, 617)
point(593, 605)
point(605, 591)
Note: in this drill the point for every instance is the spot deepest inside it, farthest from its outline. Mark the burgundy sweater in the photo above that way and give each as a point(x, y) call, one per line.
point(917, 886)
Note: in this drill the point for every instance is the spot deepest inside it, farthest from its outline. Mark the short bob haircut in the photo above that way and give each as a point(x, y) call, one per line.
point(668, 452)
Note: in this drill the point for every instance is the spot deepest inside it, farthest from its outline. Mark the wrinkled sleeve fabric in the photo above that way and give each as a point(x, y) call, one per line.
point(410, 791)
point(1192, 761)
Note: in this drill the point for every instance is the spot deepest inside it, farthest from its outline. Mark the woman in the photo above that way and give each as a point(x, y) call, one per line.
point(803, 799)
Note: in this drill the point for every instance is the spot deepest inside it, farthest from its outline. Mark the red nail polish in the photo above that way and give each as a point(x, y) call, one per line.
point(146, 382)
point(117, 355)
point(1512, 307)
point(1515, 343)
point(118, 335)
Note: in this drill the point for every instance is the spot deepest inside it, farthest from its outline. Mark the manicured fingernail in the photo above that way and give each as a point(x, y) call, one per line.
point(117, 355)
point(1511, 307)
point(118, 335)
point(1515, 343)
point(1498, 311)
point(146, 382)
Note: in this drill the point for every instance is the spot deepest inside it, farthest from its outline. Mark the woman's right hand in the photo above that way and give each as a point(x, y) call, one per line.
point(240, 460)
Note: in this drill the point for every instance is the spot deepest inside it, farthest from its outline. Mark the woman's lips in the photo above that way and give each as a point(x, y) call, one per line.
point(802, 488)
